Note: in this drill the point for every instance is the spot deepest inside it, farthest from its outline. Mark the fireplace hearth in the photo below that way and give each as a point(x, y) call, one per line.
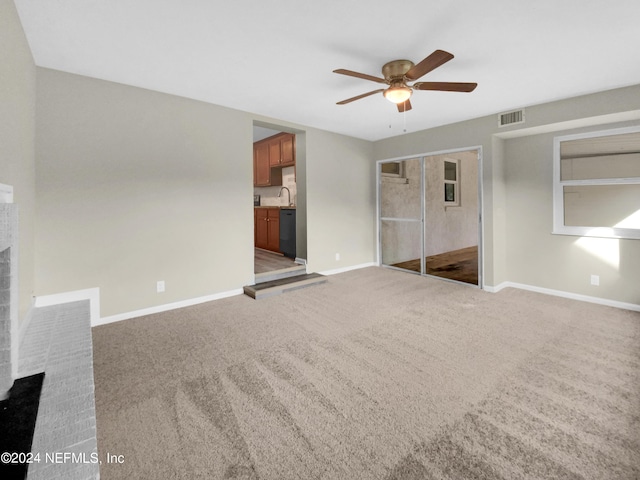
point(54, 339)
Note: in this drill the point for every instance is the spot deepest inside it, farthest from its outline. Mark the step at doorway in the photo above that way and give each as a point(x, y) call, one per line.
point(283, 285)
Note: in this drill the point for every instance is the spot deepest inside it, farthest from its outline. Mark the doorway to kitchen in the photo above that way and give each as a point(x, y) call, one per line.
point(279, 199)
point(429, 215)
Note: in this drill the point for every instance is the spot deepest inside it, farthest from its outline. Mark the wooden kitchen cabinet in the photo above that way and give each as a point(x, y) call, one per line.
point(267, 228)
point(261, 167)
point(275, 153)
point(287, 150)
point(269, 155)
point(282, 150)
point(273, 237)
point(262, 228)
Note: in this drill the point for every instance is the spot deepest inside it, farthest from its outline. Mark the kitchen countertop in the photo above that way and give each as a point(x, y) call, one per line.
point(280, 207)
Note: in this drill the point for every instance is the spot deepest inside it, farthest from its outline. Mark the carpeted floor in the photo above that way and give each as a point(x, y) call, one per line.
point(376, 374)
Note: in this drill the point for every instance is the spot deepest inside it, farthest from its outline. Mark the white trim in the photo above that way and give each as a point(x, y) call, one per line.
point(417, 156)
point(559, 228)
point(496, 288)
point(561, 293)
point(166, 307)
point(346, 269)
point(481, 268)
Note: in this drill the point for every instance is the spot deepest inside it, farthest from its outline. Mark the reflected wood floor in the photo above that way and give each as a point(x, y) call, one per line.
point(265, 261)
point(460, 265)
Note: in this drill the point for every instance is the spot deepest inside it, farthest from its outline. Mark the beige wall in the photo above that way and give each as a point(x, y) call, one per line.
point(517, 194)
point(559, 262)
point(136, 186)
point(340, 196)
point(17, 134)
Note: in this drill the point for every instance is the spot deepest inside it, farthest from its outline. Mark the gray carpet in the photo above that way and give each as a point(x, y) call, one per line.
point(377, 374)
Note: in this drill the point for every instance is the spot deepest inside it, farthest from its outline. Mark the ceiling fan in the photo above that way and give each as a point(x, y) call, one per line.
point(398, 72)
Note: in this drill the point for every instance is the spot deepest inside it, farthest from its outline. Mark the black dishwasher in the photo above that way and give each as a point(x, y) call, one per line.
point(288, 232)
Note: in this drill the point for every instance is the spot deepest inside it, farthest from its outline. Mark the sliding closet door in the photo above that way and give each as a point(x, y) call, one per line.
point(451, 217)
point(429, 215)
point(401, 210)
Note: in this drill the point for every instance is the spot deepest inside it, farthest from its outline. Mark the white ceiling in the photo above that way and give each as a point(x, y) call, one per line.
point(276, 57)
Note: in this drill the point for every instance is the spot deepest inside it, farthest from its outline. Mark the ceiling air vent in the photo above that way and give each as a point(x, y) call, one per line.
point(510, 118)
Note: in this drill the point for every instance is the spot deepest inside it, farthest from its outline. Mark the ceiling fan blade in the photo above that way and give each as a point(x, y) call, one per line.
point(404, 106)
point(352, 99)
point(364, 76)
point(445, 86)
point(433, 61)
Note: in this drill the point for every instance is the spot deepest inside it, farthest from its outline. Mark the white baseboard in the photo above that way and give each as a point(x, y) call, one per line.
point(346, 269)
point(166, 307)
point(561, 293)
point(91, 294)
point(495, 289)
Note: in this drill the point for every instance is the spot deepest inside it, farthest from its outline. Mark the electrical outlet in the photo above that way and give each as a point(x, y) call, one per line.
point(595, 280)
point(337, 257)
point(160, 286)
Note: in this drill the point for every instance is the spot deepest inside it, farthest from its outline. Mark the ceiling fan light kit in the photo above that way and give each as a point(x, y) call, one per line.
point(397, 94)
point(398, 72)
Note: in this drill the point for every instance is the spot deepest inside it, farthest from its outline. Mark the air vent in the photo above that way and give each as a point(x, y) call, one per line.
point(510, 118)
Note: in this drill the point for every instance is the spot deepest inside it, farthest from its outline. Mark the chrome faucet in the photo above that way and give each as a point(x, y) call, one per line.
point(288, 191)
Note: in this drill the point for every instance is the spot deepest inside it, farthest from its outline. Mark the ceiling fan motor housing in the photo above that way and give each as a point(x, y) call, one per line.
point(398, 91)
point(395, 70)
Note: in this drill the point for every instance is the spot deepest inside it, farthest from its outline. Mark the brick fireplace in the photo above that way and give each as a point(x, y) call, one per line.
point(56, 340)
point(8, 296)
